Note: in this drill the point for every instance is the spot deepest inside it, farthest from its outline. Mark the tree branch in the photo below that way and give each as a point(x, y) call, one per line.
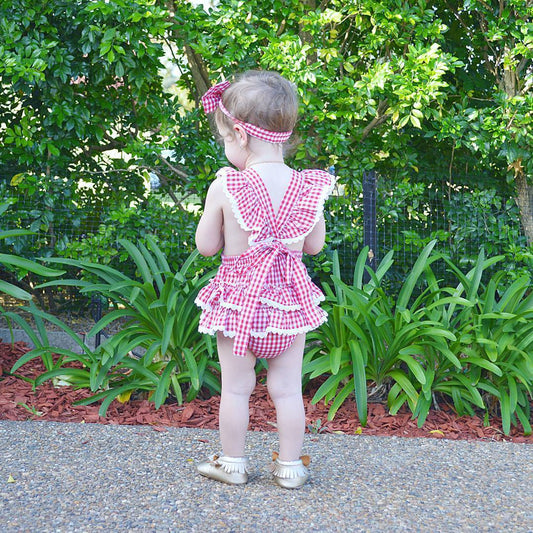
point(174, 169)
point(375, 122)
point(199, 72)
point(87, 152)
point(379, 119)
point(169, 191)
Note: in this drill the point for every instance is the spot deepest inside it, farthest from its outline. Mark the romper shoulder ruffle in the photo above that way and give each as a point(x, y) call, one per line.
point(314, 188)
point(243, 200)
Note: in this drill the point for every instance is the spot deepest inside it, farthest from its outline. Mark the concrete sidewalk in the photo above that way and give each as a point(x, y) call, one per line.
point(88, 477)
point(56, 338)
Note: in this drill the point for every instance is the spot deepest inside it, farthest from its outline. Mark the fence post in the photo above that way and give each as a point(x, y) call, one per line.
point(369, 219)
point(97, 312)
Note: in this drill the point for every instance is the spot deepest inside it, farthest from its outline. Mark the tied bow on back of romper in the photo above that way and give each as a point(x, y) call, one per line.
point(263, 255)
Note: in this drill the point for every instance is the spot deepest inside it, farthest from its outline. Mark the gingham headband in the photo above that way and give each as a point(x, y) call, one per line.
point(213, 99)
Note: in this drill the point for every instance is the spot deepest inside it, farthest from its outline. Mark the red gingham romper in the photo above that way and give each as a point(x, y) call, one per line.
point(264, 297)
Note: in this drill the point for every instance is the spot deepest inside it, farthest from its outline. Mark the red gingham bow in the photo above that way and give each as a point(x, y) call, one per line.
point(263, 255)
point(211, 99)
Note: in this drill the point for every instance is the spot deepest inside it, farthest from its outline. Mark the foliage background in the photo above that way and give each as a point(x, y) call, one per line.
point(102, 139)
point(435, 97)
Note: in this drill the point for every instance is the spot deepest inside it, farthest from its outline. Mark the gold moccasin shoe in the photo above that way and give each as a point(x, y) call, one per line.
point(231, 470)
point(290, 474)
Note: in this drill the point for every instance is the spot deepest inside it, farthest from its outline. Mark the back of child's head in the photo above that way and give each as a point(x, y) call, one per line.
point(262, 98)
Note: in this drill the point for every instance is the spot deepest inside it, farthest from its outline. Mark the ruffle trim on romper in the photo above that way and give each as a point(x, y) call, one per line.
point(221, 312)
point(279, 298)
point(272, 320)
point(255, 334)
point(250, 214)
point(266, 301)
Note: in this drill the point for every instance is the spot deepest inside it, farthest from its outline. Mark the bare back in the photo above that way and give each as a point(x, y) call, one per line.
point(219, 227)
point(276, 179)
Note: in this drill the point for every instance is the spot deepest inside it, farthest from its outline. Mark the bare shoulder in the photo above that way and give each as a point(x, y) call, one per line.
point(215, 194)
point(216, 186)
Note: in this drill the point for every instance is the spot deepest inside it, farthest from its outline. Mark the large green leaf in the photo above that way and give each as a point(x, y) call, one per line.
point(330, 386)
point(162, 389)
point(57, 322)
point(14, 291)
point(10, 233)
point(28, 329)
point(192, 368)
point(163, 265)
point(139, 259)
point(359, 380)
point(359, 269)
point(80, 375)
point(524, 420)
point(404, 382)
point(107, 319)
point(408, 287)
point(335, 357)
point(340, 398)
point(28, 265)
point(414, 366)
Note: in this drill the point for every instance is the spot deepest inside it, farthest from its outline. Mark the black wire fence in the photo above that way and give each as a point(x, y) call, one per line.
point(81, 220)
point(404, 216)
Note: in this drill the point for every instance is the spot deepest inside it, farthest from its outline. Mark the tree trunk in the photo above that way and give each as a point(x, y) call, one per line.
point(509, 82)
point(305, 36)
point(199, 72)
point(525, 204)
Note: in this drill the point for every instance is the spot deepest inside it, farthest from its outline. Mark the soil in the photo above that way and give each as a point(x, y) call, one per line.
point(19, 402)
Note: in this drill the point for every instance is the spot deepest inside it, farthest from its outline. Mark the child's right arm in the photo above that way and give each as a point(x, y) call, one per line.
point(209, 233)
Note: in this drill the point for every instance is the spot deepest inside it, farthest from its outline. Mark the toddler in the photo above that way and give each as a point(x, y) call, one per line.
point(264, 216)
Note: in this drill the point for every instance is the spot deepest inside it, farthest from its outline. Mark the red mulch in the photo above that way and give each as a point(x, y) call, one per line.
point(56, 404)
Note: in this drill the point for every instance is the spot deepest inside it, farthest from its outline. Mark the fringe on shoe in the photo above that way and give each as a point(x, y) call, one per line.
point(289, 469)
point(231, 465)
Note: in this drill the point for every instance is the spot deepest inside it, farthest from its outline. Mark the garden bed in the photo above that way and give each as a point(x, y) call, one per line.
point(19, 402)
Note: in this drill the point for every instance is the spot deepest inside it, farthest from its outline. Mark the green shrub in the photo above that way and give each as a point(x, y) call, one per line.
point(13, 262)
point(495, 335)
point(469, 344)
point(159, 317)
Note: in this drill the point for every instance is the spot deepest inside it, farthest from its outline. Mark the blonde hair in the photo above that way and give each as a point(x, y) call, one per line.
point(262, 98)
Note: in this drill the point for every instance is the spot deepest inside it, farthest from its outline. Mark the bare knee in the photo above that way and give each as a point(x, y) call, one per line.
point(241, 385)
point(284, 376)
point(281, 386)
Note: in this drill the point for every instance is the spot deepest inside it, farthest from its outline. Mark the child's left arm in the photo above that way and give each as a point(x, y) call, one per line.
point(210, 230)
point(314, 242)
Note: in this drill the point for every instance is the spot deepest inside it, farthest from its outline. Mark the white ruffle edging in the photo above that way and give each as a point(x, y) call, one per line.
point(223, 173)
point(326, 192)
point(259, 334)
point(266, 301)
point(277, 305)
